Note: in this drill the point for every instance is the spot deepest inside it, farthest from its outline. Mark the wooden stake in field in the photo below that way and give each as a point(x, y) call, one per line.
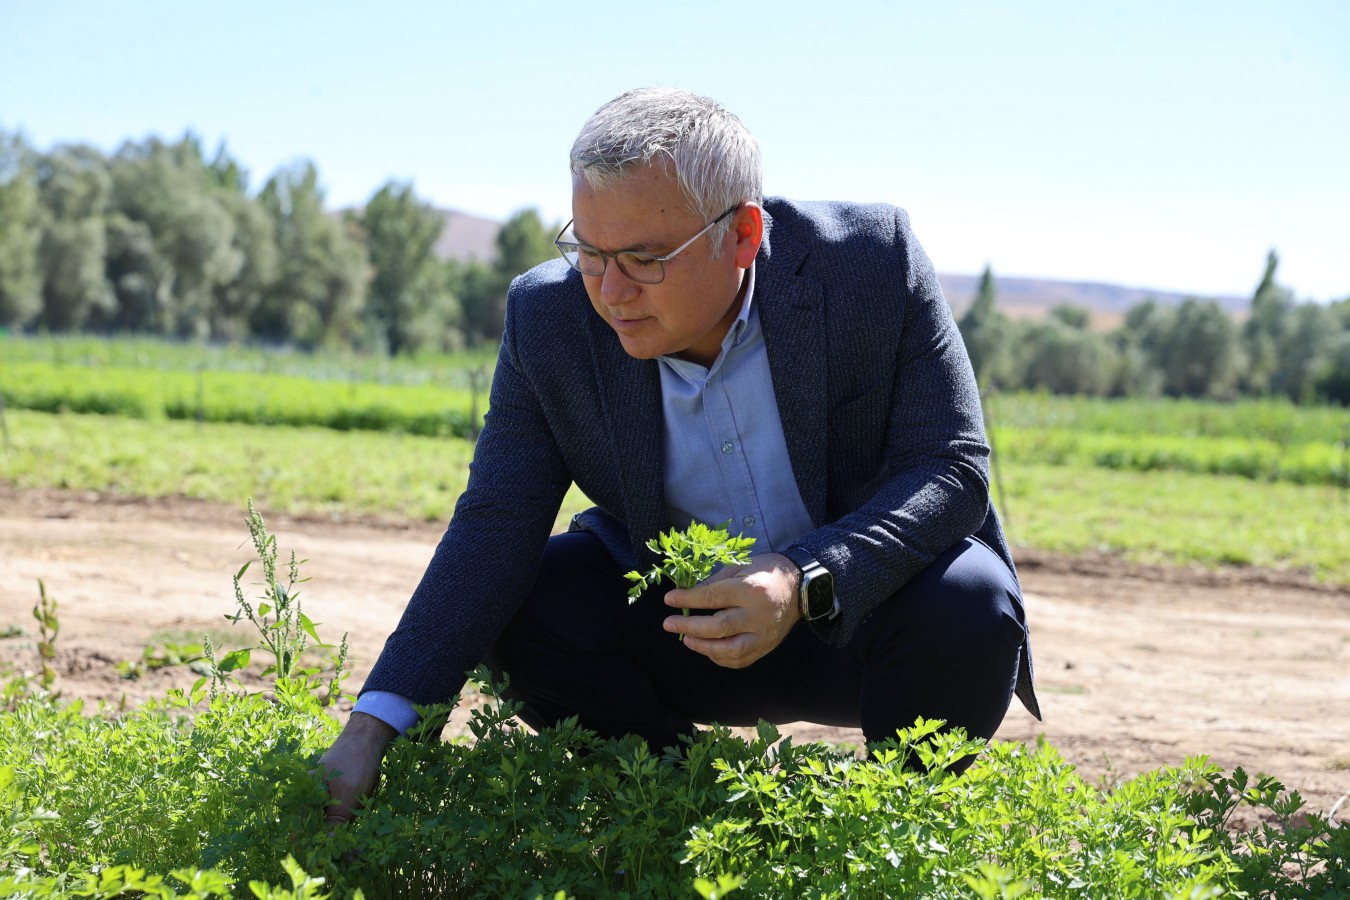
point(4, 426)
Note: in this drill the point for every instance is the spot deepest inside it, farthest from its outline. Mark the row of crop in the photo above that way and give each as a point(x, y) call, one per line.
point(1312, 462)
point(248, 398)
point(1274, 420)
point(454, 369)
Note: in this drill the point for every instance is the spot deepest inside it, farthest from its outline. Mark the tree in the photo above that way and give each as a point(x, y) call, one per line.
point(1065, 360)
point(254, 237)
point(522, 243)
point(1074, 317)
point(1264, 331)
point(20, 276)
point(989, 336)
point(75, 286)
point(1200, 354)
point(187, 209)
point(1307, 341)
point(322, 272)
point(142, 281)
point(1334, 379)
point(400, 232)
point(74, 190)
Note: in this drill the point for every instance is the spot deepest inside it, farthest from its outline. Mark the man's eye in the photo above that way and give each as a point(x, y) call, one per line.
point(588, 253)
point(634, 261)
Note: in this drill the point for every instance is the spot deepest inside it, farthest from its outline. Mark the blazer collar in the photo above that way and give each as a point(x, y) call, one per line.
point(792, 316)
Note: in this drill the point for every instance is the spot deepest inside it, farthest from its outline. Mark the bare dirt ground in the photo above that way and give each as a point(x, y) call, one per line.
point(1137, 667)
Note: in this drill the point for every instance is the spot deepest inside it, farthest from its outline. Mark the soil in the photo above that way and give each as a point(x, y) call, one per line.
point(1137, 667)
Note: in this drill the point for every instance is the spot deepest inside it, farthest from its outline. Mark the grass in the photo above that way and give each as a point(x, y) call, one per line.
point(1167, 517)
point(1277, 421)
point(1308, 462)
point(1179, 518)
point(295, 471)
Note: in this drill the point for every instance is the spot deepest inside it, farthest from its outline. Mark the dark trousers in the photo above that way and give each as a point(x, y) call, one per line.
point(944, 647)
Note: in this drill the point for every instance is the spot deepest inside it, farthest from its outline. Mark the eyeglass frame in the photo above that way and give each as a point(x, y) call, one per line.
point(606, 256)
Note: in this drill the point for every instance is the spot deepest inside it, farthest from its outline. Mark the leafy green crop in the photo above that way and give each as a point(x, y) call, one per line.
point(687, 557)
point(255, 399)
point(216, 797)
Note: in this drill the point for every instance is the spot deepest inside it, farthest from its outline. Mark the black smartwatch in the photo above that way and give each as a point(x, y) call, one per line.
point(816, 597)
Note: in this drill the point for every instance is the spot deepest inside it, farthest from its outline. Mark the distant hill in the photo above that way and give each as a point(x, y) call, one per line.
point(1033, 298)
point(473, 237)
point(467, 237)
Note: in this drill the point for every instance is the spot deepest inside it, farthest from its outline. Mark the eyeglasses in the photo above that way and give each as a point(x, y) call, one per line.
point(644, 268)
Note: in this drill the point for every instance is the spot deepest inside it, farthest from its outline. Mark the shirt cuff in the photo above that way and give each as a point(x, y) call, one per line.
point(394, 710)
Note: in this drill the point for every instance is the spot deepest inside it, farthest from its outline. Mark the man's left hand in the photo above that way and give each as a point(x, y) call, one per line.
point(756, 607)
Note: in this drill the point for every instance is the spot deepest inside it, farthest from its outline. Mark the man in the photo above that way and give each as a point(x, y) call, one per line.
point(700, 353)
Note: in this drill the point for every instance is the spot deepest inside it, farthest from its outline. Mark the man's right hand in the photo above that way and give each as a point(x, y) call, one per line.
point(352, 765)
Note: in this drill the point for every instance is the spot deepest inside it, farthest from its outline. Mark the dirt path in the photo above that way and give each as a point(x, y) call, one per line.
point(1137, 667)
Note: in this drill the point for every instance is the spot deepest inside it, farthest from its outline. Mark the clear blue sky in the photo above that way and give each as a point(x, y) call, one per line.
point(1166, 144)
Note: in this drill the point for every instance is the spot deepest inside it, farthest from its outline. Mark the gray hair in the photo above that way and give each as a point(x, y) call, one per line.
point(715, 157)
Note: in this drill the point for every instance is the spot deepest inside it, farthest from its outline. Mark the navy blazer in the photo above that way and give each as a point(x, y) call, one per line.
point(879, 409)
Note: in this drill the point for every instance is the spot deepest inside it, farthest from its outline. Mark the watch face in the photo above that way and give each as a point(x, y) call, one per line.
point(819, 595)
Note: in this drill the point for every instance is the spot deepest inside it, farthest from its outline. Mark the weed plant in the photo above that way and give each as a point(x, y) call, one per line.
point(200, 796)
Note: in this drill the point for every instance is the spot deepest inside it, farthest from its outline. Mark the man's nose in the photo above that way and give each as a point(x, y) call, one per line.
point(614, 285)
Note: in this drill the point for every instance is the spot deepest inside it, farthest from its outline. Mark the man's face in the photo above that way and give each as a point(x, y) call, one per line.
point(689, 313)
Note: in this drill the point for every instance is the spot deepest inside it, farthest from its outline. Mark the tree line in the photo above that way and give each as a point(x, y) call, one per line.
point(158, 238)
point(1283, 348)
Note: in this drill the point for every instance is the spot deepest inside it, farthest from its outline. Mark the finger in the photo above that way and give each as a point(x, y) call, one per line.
point(721, 624)
point(689, 598)
point(709, 595)
point(730, 571)
point(735, 652)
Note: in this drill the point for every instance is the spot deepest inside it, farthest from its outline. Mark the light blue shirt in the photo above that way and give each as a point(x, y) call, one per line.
point(725, 458)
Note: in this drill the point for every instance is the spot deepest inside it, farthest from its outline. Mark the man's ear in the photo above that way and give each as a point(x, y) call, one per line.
point(748, 227)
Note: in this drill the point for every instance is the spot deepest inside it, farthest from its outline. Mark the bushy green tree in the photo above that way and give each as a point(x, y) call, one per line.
point(404, 305)
point(233, 300)
point(1201, 355)
point(990, 337)
point(1068, 360)
point(1307, 341)
point(522, 243)
point(74, 191)
point(322, 270)
point(20, 234)
point(190, 215)
point(141, 279)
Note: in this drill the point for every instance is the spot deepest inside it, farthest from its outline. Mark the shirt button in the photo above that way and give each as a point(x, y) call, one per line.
point(727, 446)
point(748, 521)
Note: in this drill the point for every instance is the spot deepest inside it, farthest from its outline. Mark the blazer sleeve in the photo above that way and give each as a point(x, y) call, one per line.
point(928, 487)
point(488, 558)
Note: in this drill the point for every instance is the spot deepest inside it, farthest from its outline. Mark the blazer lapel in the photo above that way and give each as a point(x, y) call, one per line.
point(630, 393)
point(792, 316)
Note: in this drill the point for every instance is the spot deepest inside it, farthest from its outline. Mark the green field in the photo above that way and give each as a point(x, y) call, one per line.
point(1256, 483)
point(1169, 517)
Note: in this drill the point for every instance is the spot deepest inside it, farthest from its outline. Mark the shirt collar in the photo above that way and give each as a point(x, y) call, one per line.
point(735, 334)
